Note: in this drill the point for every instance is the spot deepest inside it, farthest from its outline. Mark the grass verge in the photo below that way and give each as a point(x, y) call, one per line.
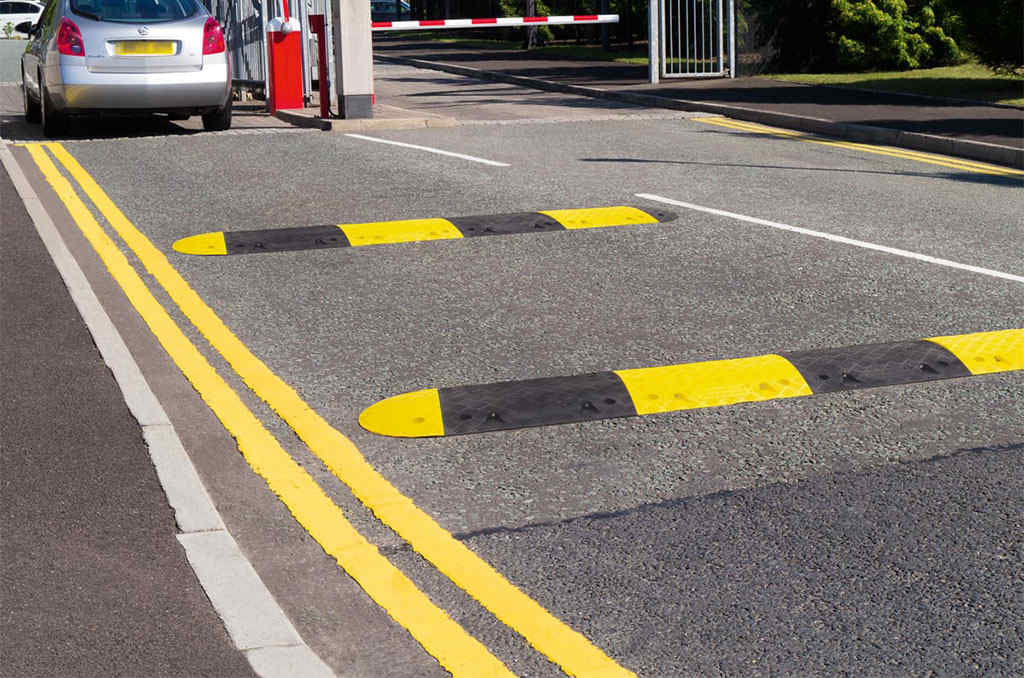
point(967, 81)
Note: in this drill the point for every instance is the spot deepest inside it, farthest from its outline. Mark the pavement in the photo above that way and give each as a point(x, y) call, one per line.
point(989, 133)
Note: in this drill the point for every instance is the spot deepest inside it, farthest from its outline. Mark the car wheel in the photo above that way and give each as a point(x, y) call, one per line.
point(55, 123)
point(32, 112)
point(219, 120)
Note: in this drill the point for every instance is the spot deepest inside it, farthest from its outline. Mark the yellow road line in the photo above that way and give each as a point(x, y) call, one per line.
point(884, 150)
point(942, 160)
point(929, 158)
point(564, 646)
point(455, 650)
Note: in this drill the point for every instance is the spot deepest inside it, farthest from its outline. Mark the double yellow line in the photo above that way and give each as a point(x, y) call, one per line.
point(929, 158)
point(456, 650)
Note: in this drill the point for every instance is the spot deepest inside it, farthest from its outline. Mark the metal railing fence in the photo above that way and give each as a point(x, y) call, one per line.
point(693, 40)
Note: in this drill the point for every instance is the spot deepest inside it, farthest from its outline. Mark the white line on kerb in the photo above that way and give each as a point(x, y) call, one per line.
point(430, 150)
point(837, 238)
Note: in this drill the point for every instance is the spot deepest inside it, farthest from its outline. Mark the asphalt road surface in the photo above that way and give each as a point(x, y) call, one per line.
point(873, 531)
point(93, 581)
point(10, 60)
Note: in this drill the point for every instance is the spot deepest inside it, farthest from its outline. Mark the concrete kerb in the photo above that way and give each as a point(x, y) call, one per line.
point(301, 119)
point(929, 143)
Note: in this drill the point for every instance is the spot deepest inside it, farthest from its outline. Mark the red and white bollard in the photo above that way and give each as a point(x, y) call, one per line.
point(284, 60)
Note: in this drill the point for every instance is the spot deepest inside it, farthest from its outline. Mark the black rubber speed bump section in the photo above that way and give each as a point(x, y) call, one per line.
point(282, 240)
point(414, 230)
point(505, 224)
point(534, 402)
point(870, 365)
point(622, 393)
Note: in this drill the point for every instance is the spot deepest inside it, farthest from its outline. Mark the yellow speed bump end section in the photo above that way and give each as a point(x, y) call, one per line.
point(987, 352)
point(601, 217)
point(409, 415)
point(481, 408)
point(202, 244)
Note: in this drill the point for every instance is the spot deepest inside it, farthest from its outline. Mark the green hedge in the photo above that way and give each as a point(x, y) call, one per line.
point(857, 35)
point(994, 30)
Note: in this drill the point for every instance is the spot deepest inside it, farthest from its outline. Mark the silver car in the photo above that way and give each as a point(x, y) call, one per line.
point(126, 56)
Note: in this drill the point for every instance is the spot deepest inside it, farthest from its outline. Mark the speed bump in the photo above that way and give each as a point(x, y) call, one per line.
point(635, 392)
point(414, 230)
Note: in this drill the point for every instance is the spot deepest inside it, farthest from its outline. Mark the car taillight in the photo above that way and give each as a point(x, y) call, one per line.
point(69, 39)
point(213, 38)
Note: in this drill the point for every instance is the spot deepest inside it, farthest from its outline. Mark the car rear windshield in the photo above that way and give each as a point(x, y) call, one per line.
point(135, 11)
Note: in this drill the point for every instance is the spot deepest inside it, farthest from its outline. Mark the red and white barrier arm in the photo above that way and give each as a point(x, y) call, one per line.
point(432, 24)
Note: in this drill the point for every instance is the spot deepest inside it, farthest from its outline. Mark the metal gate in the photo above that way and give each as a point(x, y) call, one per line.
point(245, 30)
point(697, 38)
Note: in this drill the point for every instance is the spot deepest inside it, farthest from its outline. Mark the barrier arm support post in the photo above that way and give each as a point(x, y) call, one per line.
point(653, 47)
point(353, 58)
point(732, 38)
point(318, 25)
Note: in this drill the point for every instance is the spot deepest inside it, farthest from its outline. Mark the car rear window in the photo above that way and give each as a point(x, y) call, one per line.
point(135, 11)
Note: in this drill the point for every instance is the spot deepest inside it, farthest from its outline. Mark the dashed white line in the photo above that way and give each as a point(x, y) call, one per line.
point(428, 149)
point(837, 238)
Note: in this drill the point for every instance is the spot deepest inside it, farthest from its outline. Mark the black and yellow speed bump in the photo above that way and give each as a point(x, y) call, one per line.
point(414, 230)
point(625, 393)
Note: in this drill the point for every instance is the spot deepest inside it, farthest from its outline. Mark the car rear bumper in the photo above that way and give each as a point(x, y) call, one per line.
point(83, 91)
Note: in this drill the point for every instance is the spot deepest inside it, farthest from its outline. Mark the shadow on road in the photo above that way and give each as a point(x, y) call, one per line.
point(13, 126)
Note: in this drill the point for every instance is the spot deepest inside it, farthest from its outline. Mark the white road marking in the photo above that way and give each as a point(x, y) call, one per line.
point(267, 637)
point(837, 238)
point(430, 150)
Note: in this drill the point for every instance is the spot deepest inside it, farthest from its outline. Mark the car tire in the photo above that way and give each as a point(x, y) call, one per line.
point(32, 110)
point(219, 120)
point(55, 123)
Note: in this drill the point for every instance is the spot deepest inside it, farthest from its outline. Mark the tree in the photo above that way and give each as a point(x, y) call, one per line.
point(995, 31)
point(890, 34)
point(798, 32)
point(855, 35)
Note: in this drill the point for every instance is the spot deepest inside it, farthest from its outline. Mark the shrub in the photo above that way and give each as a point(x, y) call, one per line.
point(994, 29)
point(944, 48)
point(856, 35)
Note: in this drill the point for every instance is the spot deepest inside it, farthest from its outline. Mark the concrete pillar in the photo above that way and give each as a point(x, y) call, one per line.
point(653, 48)
point(353, 58)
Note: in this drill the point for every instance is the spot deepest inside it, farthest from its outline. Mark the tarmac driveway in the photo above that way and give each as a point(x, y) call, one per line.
point(871, 531)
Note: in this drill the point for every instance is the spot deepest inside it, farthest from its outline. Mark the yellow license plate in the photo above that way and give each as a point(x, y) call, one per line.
point(144, 48)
